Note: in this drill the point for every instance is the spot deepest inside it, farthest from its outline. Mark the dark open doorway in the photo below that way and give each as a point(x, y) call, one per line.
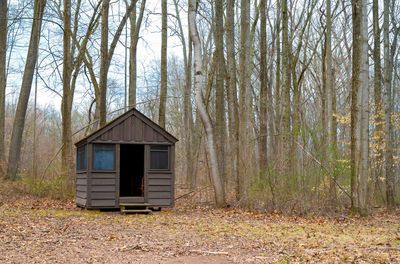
point(132, 171)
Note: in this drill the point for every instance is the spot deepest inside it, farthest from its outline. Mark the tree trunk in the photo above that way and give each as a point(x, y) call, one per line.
point(388, 68)
point(359, 109)
point(219, 85)
point(187, 103)
point(285, 99)
point(244, 102)
point(378, 135)
point(19, 120)
point(164, 71)
point(3, 81)
point(134, 38)
point(263, 88)
point(233, 113)
point(66, 104)
point(205, 118)
point(329, 90)
point(101, 108)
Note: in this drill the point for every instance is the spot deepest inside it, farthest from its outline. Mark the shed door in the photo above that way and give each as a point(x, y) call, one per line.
point(132, 171)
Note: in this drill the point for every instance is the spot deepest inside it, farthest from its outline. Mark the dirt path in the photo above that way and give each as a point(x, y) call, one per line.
point(45, 231)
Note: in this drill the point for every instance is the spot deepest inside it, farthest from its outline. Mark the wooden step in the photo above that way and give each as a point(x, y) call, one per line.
point(134, 208)
point(136, 211)
point(134, 204)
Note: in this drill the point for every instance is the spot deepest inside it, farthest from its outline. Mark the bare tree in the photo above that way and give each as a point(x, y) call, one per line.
point(244, 101)
point(263, 87)
point(66, 153)
point(219, 84)
point(134, 38)
point(233, 113)
point(3, 81)
point(388, 73)
point(205, 118)
point(19, 120)
point(359, 108)
point(164, 73)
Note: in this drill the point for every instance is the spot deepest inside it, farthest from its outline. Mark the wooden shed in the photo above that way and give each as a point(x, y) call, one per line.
point(128, 162)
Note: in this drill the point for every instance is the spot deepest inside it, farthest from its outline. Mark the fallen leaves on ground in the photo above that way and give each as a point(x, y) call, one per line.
point(34, 230)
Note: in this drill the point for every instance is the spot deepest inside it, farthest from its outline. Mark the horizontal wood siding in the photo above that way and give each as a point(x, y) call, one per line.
point(159, 191)
point(81, 189)
point(103, 190)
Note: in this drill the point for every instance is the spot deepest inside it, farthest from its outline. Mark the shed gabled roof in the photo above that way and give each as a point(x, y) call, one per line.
point(126, 123)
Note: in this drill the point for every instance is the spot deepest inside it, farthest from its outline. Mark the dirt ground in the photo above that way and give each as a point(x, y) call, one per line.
point(34, 230)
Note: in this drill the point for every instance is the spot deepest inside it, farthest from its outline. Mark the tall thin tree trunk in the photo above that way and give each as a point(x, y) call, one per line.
point(205, 118)
point(378, 135)
point(285, 99)
point(134, 38)
point(101, 108)
point(66, 104)
point(19, 120)
point(219, 85)
point(359, 109)
point(329, 90)
point(164, 73)
point(233, 113)
point(263, 88)
point(244, 76)
point(388, 64)
point(3, 81)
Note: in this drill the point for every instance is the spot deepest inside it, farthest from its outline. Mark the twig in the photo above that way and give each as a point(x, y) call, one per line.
point(192, 192)
point(324, 168)
point(210, 252)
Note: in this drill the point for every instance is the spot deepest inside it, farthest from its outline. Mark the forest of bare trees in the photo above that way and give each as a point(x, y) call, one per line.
point(288, 106)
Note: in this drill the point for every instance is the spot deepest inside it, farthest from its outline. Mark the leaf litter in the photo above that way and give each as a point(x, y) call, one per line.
point(40, 230)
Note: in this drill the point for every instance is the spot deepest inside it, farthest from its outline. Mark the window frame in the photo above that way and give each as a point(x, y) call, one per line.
point(168, 151)
point(85, 155)
point(113, 146)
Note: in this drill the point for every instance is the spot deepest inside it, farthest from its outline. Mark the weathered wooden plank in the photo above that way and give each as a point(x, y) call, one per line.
point(82, 195)
point(160, 176)
point(160, 202)
point(165, 188)
point(81, 181)
point(138, 129)
point(102, 195)
point(81, 188)
point(103, 188)
point(160, 195)
point(81, 176)
point(103, 175)
point(80, 201)
point(159, 181)
point(103, 182)
point(148, 133)
point(103, 203)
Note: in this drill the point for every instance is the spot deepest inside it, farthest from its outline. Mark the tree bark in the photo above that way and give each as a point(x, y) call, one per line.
point(263, 88)
point(66, 104)
point(3, 81)
point(164, 70)
point(134, 38)
point(102, 102)
point(205, 118)
point(219, 85)
point(233, 113)
point(286, 80)
point(359, 109)
point(378, 133)
point(388, 68)
point(244, 102)
point(19, 120)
